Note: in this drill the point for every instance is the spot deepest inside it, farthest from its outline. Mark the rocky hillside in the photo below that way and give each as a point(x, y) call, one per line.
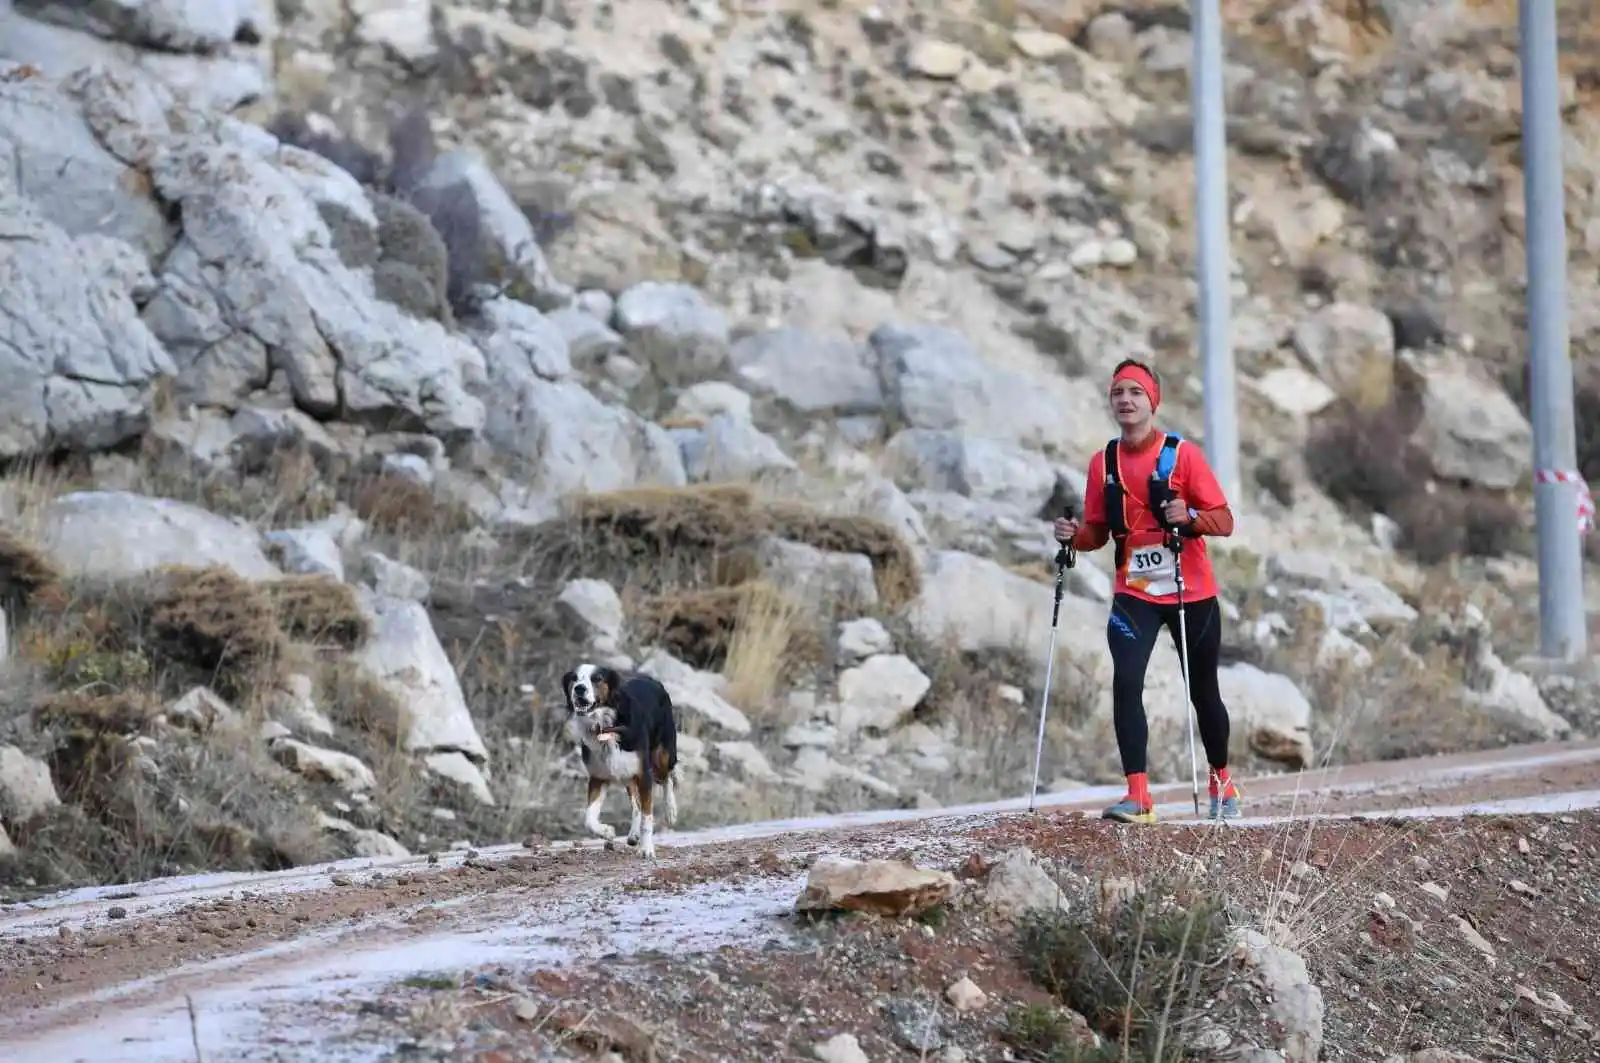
point(368, 364)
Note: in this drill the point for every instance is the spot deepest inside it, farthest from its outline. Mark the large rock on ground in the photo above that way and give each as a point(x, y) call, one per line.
point(78, 364)
point(222, 76)
point(26, 789)
point(167, 25)
point(881, 887)
point(269, 276)
point(119, 535)
point(569, 441)
point(506, 244)
point(1470, 429)
point(405, 657)
point(974, 468)
point(934, 378)
point(975, 605)
point(809, 371)
point(57, 163)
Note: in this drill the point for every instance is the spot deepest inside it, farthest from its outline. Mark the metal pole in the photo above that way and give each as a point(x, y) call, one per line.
point(1209, 106)
point(1562, 634)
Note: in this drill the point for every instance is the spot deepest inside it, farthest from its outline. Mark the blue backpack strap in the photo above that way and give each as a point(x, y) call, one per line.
point(1168, 458)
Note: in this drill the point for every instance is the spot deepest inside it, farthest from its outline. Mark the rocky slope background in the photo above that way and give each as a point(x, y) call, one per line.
point(369, 363)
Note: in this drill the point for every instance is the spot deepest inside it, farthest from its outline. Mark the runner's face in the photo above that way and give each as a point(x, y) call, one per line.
point(1130, 404)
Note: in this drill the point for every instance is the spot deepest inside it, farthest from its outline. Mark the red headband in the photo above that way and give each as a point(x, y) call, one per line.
point(1144, 380)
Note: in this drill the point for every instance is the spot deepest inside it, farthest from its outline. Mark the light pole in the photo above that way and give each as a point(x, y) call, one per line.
point(1562, 624)
point(1208, 105)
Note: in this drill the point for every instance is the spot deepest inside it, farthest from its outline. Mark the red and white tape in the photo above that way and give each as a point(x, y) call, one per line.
point(1585, 499)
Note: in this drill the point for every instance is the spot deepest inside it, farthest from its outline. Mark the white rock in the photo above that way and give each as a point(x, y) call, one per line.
point(455, 767)
point(593, 607)
point(325, 765)
point(26, 788)
point(119, 535)
point(308, 552)
point(881, 691)
point(395, 579)
point(405, 657)
point(840, 1048)
point(862, 638)
point(937, 59)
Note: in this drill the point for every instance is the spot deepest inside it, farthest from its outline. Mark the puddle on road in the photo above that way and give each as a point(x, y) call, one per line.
point(280, 1014)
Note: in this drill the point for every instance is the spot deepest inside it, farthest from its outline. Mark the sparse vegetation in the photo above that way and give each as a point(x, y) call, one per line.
point(1140, 967)
point(1365, 459)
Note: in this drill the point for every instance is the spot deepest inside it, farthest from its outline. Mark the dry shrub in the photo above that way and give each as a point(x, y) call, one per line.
point(395, 505)
point(358, 701)
point(25, 572)
point(217, 623)
point(653, 537)
point(319, 609)
point(661, 537)
point(278, 482)
point(1143, 972)
point(91, 740)
point(1366, 461)
point(699, 626)
point(136, 812)
point(119, 713)
point(178, 627)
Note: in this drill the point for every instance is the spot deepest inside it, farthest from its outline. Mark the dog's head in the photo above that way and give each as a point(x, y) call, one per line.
point(589, 687)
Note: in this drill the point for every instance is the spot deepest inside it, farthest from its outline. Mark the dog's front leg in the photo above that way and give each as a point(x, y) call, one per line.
point(591, 817)
point(637, 823)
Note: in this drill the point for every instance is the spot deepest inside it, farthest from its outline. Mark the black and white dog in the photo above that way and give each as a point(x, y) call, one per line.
point(627, 734)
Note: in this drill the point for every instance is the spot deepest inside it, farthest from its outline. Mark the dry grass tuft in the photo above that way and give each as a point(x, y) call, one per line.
point(1142, 970)
point(395, 505)
point(760, 654)
point(658, 538)
point(320, 610)
point(120, 713)
point(177, 628)
point(25, 572)
point(700, 626)
point(218, 624)
point(653, 537)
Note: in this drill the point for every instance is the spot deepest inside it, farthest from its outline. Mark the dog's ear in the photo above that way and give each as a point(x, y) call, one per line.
point(566, 686)
point(607, 682)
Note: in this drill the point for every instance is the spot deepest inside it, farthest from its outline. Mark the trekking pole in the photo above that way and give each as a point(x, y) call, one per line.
point(1175, 543)
point(1066, 558)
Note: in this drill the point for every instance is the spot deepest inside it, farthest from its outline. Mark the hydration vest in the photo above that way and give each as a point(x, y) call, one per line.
point(1160, 489)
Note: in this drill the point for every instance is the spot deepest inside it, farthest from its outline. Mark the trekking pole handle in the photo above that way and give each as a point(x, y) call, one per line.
point(1067, 556)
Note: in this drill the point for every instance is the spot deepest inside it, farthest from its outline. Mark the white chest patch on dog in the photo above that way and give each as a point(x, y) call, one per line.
point(607, 759)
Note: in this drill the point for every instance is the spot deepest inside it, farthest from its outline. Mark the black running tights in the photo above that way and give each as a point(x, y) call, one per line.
point(1131, 633)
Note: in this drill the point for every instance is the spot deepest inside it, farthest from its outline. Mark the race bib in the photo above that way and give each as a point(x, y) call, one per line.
point(1153, 570)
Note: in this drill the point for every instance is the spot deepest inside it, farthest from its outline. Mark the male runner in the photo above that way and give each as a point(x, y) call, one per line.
point(1146, 594)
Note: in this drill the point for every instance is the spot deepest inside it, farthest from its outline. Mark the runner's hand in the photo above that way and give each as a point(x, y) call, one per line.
point(1066, 529)
point(1177, 511)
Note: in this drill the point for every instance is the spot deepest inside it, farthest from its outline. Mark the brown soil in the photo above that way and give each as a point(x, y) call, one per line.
point(1396, 971)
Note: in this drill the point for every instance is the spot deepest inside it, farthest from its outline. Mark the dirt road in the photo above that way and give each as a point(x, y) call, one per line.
point(103, 975)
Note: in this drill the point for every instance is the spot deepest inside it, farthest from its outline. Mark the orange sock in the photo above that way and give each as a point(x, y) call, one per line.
point(1219, 781)
point(1139, 788)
